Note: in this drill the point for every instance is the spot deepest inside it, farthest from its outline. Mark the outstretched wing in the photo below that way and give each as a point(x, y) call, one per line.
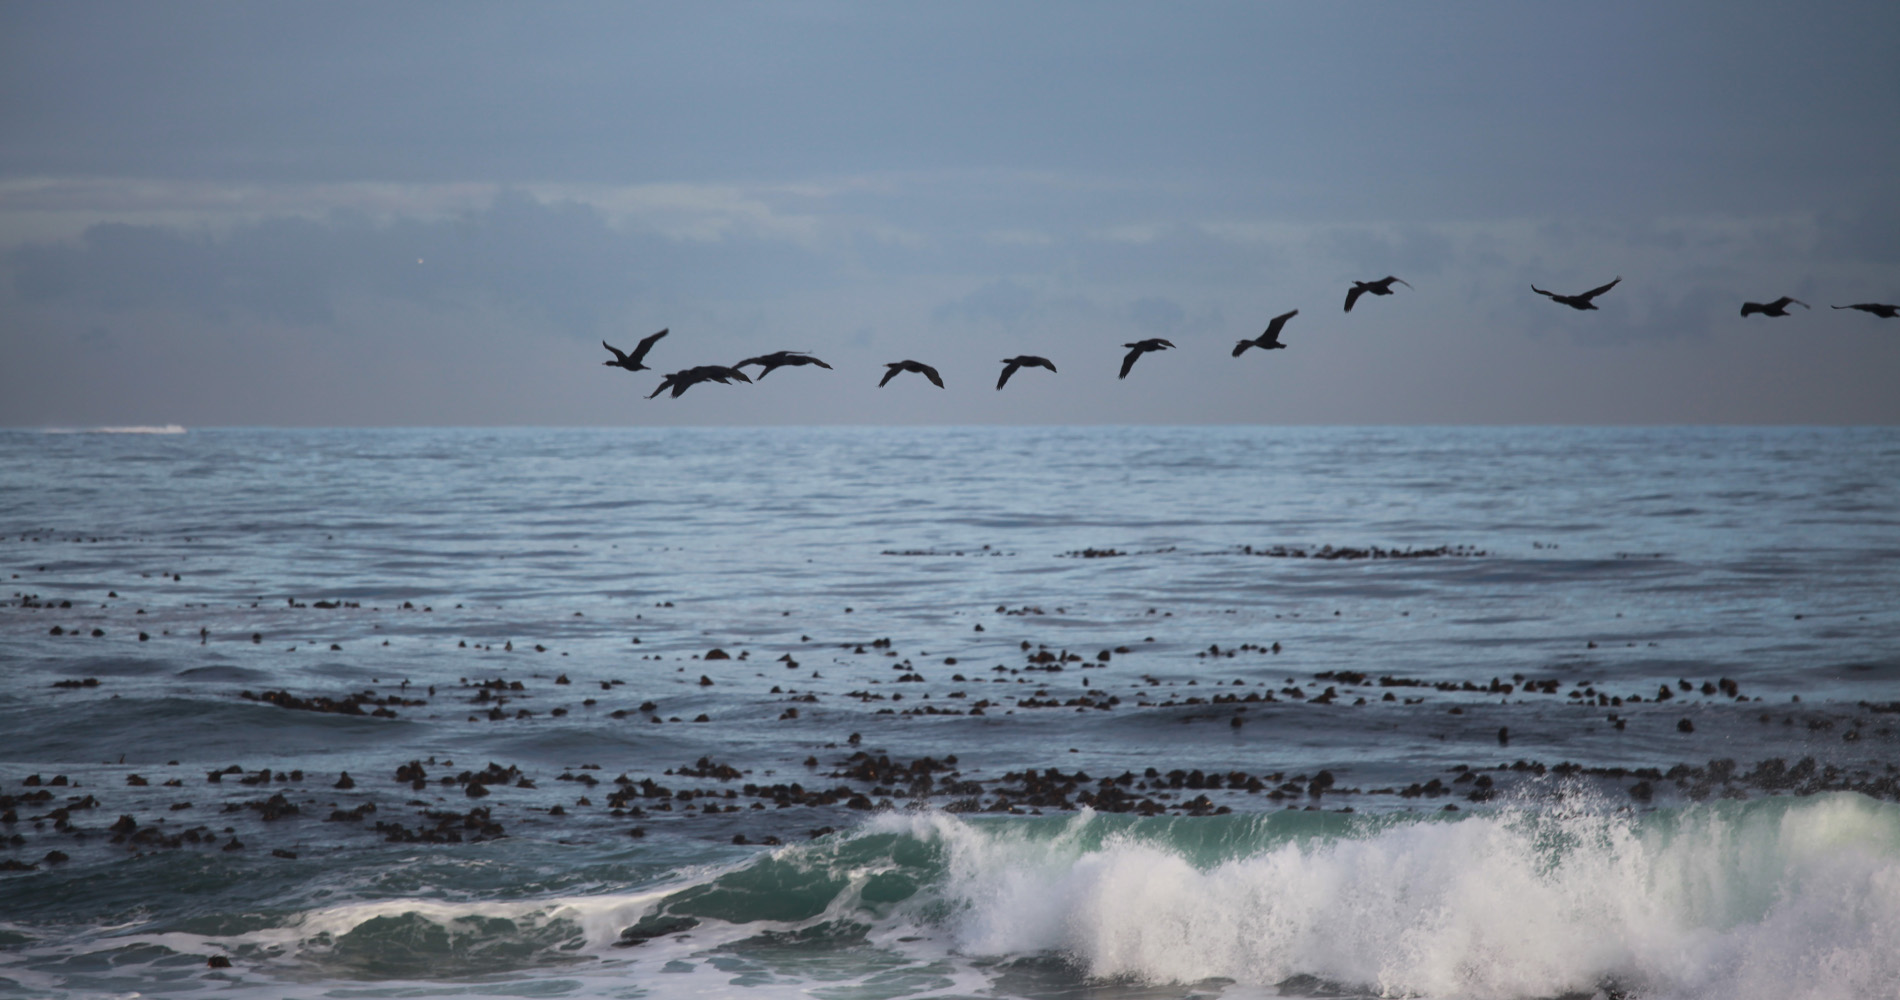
point(1274, 324)
point(1594, 292)
point(931, 374)
point(620, 358)
point(891, 374)
point(1241, 348)
point(1540, 291)
point(646, 344)
point(1390, 278)
point(1009, 368)
point(1128, 361)
point(666, 383)
point(1786, 301)
point(1353, 295)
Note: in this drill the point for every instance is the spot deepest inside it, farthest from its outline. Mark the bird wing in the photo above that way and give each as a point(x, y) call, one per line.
point(1540, 291)
point(723, 373)
point(1009, 368)
point(618, 356)
point(806, 359)
point(1594, 292)
point(1043, 363)
point(1274, 324)
point(1389, 279)
point(666, 383)
point(891, 374)
point(1750, 308)
point(646, 344)
point(1787, 301)
point(1128, 360)
point(1241, 348)
point(1352, 294)
point(931, 374)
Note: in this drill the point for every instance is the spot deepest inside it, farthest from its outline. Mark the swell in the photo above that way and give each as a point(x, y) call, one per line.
point(1771, 898)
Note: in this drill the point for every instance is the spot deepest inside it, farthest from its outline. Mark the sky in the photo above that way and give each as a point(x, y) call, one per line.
point(366, 214)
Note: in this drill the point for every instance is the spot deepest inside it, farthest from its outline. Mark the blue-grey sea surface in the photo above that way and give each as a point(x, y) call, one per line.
point(859, 713)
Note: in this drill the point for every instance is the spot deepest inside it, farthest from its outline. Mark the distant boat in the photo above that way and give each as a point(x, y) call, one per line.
point(135, 429)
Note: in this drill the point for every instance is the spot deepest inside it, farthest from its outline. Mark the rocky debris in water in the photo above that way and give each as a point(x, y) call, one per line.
point(655, 925)
point(706, 768)
point(447, 828)
point(349, 704)
point(1370, 552)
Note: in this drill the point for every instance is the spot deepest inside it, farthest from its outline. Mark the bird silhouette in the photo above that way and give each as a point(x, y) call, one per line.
point(1578, 301)
point(1269, 340)
point(632, 362)
point(1879, 309)
point(1139, 348)
point(1779, 307)
point(685, 379)
point(910, 366)
point(779, 359)
point(1011, 364)
point(1381, 287)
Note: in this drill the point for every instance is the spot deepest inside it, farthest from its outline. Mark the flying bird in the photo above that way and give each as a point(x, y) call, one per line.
point(779, 359)
point(1011, 364)
point(1779, 307)
point(632, 362)
point(1139, 348)
point(910, 366)
point(1879, 309)
point(1381, 287)
point(1269, 340)
point(680, 381)
point(1578, 301)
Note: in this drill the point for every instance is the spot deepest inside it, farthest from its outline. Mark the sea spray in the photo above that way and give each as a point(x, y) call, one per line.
point(1765, 899)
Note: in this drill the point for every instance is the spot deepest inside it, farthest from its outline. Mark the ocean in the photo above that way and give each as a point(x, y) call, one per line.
point(867, 713)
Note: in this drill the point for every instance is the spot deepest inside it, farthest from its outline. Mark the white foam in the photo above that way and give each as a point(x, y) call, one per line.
point(1802, 901)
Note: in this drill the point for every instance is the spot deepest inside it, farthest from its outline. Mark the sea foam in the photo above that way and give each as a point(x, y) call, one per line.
point(1767, 899)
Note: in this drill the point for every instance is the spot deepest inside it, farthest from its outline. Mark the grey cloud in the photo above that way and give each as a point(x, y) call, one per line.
point(1872, 235)
point(1001, 302)
point(1157, 316)
point(561, 261)
point(1416, 249)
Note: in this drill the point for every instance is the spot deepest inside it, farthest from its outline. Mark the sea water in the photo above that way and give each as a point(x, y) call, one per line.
point(1478, 712)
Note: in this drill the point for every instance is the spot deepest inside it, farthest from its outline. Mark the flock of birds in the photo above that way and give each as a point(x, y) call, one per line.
point(686, 378)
